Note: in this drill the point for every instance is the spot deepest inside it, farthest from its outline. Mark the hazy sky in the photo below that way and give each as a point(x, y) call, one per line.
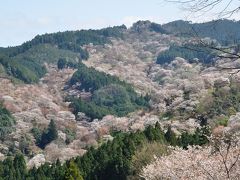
point(21, 20)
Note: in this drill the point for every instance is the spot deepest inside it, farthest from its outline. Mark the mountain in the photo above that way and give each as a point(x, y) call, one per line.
point(224, 31)
point(23, 61)
point(112, 103)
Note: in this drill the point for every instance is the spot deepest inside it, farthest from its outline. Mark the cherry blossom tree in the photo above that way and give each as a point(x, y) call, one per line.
point(219, 160)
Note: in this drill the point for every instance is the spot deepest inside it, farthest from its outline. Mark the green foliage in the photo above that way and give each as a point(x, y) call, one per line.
point(25, 62)
point(170, 136)
point(13, 169)
point(92, 79)
point(24, 145)
point(110, 94)
point(147, 25)
point(28, 66)
point(223, 30)
point(222, 120)
point(72, 172)
point(20, 166)
point(115, 98)
point(198, 138)
point(47, 53)
point(93, 110)
point(157, 28)
point(61, 63)
point(70, 135)
point(27, 70)
point(145, 155)
point(37, 133)
point(222, 101)
point(155, 134)
point(90, 109)
point(6, 122)
point(120, 159)
point(167, 115)
point(52, 131)
point(2, 69)
point(69, 40)
point(188, 52)
point(46, 136)
point(113, 160)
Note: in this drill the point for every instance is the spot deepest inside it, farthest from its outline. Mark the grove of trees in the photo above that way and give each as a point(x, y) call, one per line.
point(110, 95)
point(188, 52)
point(30, 70)
point(112, 160)
point(7, 122)
point(46, 136)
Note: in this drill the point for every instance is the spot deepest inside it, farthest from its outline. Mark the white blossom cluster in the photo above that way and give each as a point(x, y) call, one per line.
point(220, 160)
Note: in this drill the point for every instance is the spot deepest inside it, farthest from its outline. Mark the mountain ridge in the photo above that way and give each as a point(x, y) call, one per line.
point(116, 93)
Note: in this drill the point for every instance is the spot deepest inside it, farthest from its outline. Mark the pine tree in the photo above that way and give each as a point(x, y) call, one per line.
point(171, 137)
point(9, 170)
point(58, 170)
point(158, 133)
point(149, 132)
point(52, 131)
point(61, 63)
point(49, 134)
point(20, 166)
point(73, 172)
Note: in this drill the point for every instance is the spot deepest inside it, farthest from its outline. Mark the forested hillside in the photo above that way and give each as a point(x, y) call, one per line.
point(114, 103)
point(110, 95)
point(112, 160)
point(50, 47)
point(7, 122)
point(25, 62)
point(224, 31)
point(190, 52)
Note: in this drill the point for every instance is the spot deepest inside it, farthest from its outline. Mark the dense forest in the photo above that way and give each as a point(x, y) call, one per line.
point(112, 160)
point(140, 26)
point(26, 70)
point(68, 40)
point(223, 30)
point(7, 122)
point(110, 95)
point(190, 52)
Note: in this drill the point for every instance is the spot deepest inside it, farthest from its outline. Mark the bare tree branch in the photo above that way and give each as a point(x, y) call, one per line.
point(209, 5)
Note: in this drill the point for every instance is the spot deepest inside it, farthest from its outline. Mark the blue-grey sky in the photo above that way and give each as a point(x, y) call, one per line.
point(21, 20)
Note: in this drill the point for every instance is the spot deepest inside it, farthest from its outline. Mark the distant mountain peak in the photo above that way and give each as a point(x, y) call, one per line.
point(141, 26)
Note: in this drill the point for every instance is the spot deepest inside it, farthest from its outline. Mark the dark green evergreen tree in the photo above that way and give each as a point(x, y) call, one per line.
point(159, 133)
point(62, 62)
point(20, 167)
point(149, 132)
point(72, 172)
point(50, 134)
point(52, 131)
point(170, 136)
